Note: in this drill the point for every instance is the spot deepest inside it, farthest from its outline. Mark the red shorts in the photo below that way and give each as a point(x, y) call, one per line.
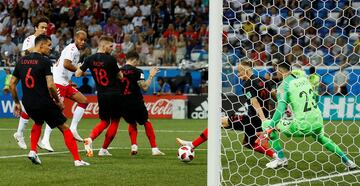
point(66, 91)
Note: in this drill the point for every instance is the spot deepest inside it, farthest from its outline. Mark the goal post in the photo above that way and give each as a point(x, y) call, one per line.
point(214, 92)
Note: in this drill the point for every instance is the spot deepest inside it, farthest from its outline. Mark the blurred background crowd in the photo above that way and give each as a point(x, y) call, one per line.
point(168, 32)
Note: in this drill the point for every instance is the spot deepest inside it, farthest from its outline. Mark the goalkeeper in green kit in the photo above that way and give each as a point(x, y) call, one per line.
point(296, 92)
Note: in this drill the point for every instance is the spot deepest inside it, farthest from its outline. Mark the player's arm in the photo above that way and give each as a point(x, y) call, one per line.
point(81, 69)
point(255, 103)
point(69, 66)
point(144, 85)
point(280, 108)
point(79, 73)
point(13, 82)
point(52, 89)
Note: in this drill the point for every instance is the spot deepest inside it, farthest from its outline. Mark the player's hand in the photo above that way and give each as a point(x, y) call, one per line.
point(154, 71)
point(17, 109)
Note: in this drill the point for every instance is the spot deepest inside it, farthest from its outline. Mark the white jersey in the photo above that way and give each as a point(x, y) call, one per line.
point(29, 42)
point(61, 75)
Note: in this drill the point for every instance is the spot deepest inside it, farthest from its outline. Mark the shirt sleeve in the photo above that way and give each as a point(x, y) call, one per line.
point(69, 55)
point(47, 65)
point(281, 104)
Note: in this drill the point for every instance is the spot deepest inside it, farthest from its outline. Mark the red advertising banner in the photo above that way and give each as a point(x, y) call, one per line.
point(157, 106)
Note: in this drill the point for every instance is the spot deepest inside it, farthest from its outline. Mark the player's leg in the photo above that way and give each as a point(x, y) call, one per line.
point(251, 130)
point(79, 110)
point(34, 138)
point(36, 115)
point(45, 142)
point(319, 136)
point(274, 141)
point(109, 136)
point(71, 145)
point(104, 115)
point(19, 134)
point(198, 141)
point(133, 132)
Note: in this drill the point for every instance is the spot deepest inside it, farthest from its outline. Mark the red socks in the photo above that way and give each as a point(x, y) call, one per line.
point(110, 133)
point(98, 129)
point(201, 139)
point(71, 144)
point(263, 149)
point(35, 136)
point(150, 134)
point(24, 115)
point(133, 132)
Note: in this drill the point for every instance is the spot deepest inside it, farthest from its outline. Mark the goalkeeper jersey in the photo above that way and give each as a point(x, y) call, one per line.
point(297, 92)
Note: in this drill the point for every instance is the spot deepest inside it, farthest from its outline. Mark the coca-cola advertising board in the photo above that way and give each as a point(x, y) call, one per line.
point(157, 106)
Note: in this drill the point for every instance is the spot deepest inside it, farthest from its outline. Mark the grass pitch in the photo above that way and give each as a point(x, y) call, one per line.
point(307, 159)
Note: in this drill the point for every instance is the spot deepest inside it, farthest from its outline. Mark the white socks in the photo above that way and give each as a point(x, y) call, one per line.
point(22, 125)
point(47, 133)
point(78, 114)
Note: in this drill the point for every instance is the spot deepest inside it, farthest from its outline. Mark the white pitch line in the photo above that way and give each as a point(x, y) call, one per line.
point(65, 152)
point(318, 178)
point(165, 131)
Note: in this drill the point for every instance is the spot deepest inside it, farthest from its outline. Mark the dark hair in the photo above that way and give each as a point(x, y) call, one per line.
point(285, 65)
point(41, 20)
point(312, 70)
point(132, 55)
point(41, 38)
point(106, 38)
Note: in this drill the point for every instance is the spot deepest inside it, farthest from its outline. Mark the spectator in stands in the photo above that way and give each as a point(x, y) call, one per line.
point(85, 88)
point(130, 8)
point(127, 27)
point(151, 58)
point(164, 87)
point(341, 81)
point(94, 29)
point(180, 48)
point(138, 19)
point(169, 56)
point(110, 28)
point(8, 51)
point(127, 45)
point(115, 11)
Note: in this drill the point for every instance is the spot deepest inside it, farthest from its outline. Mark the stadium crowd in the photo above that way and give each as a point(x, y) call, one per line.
point(163, 32)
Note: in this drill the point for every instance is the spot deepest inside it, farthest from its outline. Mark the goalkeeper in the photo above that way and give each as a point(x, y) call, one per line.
point(297, 92)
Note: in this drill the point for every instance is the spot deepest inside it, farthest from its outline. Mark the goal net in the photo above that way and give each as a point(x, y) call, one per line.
point(320, 34)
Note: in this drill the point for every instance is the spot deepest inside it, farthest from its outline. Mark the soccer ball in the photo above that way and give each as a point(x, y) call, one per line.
point(186, 154)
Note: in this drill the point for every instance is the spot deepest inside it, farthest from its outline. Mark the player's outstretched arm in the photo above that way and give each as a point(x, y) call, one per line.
point(13, 82)
point(146, 84)
point(255, 103)
point(69, 66)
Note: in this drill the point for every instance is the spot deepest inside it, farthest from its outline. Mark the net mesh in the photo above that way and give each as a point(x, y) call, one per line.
point(323, 34)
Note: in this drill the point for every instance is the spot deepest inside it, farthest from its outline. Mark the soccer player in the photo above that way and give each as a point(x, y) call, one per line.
point(135, 111)
point(315, 82)
point(63, 69)
point(297, 92)
point(28, 45)
point(256, 94)
point(40, 97)
point(106, 74)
